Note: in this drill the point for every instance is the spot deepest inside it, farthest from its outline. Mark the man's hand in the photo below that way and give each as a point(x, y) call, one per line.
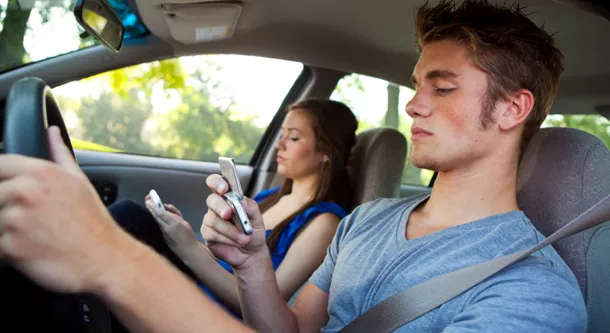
point(53, 227)
point(223, 238)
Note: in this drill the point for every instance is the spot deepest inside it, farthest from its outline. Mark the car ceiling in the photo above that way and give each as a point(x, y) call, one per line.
point(377, 39)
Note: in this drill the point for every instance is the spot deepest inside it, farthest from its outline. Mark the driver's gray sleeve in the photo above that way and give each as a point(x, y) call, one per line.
point(322, 277)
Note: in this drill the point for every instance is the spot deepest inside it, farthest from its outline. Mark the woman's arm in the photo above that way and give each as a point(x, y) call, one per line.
point(180, 237)
point(304, 256)
point(306, 253)
point(215, 277)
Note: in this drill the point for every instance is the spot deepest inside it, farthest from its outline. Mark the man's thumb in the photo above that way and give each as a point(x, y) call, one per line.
point(251, 208)
point(60, 152)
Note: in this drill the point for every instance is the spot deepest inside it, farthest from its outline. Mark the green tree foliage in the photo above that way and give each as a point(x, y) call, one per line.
point(199, 130)
point(347, 84)
point(205, 123)
point(14, 25)
point(116, 122)
point(143, 78)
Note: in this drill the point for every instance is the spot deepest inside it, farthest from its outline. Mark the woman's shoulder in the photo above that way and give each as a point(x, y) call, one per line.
point(265, 193)
point(308, 215)
point(327, 207)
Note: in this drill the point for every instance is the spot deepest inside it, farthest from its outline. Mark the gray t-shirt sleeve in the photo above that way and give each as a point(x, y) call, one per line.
point(324, 274)
point(528, 297)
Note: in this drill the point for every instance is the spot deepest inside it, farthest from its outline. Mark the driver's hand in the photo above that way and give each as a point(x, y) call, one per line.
point(223, 238)
point(53, 226)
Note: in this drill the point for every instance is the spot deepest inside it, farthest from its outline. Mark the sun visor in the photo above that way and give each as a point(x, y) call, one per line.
point(199, 22)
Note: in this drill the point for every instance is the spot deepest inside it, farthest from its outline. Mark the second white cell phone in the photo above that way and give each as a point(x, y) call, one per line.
point(157, 203)
point(234, 196)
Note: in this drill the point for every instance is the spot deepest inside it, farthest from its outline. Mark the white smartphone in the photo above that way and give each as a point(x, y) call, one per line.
point(234, 196)
point(157, 203)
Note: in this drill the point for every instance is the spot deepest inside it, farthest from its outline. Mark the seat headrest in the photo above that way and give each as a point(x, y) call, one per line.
point(378, 160)
point(563, 173)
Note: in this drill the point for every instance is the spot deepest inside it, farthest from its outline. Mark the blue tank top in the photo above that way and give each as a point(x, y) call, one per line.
point(288, 234)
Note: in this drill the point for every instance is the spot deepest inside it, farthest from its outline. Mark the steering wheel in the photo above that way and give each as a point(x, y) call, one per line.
point(30, 110)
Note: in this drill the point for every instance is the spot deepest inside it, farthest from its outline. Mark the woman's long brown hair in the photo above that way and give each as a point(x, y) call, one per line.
point(334, 126)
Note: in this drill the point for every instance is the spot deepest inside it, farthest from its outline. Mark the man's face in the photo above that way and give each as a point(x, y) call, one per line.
point(450, 90)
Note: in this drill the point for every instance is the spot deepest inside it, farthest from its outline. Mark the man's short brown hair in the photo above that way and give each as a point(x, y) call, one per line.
point(514, 52)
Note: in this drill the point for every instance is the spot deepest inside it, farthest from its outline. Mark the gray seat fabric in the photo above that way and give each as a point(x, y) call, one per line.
point(562, 174)
point(378, 160)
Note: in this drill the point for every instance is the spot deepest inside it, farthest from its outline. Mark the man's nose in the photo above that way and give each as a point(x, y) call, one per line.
point(418, 106)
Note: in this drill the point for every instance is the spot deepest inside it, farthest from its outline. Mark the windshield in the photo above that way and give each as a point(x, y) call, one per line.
point(34, 30)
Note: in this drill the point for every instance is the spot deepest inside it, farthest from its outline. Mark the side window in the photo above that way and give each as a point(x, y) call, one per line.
point(195, 108)
point(378, 103)
point(592, 123)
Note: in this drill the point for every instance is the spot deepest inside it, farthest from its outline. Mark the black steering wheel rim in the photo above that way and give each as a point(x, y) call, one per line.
point(30, 109)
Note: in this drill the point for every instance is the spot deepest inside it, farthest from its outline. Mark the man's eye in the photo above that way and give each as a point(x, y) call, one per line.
point(443, 91)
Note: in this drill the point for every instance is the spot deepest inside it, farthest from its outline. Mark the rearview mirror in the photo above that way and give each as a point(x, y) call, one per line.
point(100, 20)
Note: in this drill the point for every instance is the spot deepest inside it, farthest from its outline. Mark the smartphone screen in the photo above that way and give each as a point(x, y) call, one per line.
point(229, 172)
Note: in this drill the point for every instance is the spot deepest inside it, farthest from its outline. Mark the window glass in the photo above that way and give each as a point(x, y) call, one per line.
point(379, 103)
point(195, 108)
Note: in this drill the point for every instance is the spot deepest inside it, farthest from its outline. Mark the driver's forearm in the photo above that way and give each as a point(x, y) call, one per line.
point(148, 295)
point(263, 306)
point(221, 283)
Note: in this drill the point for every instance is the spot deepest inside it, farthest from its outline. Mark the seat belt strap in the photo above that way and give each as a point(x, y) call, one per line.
point(413, 302)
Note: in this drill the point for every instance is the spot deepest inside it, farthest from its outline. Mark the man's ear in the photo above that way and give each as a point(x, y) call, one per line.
point(516, 110)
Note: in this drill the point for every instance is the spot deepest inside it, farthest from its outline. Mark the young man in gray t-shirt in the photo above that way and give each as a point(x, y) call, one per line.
point(371, 260)
point(485, 81)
